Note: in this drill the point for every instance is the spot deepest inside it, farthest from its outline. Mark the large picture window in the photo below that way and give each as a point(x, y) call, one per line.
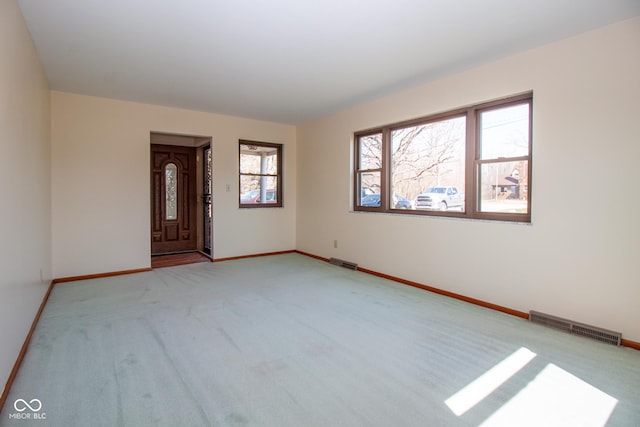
point(474, 162)
point(260, 174)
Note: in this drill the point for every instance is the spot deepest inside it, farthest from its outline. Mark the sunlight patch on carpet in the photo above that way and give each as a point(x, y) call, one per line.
point(555, 398)
point(485, 384)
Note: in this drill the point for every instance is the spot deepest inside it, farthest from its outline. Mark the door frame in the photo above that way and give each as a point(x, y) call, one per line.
point(199, 143)
point(206, 198)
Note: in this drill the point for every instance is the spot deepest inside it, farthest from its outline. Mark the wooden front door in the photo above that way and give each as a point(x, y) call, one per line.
point(173, 199)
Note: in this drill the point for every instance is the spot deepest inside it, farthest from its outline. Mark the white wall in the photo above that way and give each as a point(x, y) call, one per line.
point(578, 258)
point(101, 189)
point(25, 193)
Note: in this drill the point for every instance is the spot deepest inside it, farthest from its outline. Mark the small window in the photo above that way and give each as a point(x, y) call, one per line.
point(503, 159)
point(369, 173)
point(260, 174)
point(473, 162)
point(171, 191)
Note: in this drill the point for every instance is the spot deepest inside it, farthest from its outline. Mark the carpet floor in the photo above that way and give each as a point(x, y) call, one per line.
point(288, 340)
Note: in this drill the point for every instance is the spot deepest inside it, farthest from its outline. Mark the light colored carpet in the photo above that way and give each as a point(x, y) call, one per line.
point(288, 340)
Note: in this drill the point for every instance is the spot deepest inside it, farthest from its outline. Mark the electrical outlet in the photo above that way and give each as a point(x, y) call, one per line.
point(228, 188)
point(335, 244)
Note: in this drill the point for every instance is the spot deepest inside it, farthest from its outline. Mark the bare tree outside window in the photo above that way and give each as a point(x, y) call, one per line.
point(371, 149)
point(426, 155)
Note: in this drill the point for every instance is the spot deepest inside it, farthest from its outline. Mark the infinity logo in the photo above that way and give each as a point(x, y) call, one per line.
point(37, 405)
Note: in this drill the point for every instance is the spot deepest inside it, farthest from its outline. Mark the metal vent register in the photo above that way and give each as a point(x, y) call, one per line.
point(575, 328)
point(342, 263)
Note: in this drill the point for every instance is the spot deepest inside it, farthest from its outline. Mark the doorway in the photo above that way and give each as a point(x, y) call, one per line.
point(181, 203)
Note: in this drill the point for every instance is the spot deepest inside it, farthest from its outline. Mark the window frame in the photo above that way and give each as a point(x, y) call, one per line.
point(280, 196)
point(472, 167)
point(359, 172)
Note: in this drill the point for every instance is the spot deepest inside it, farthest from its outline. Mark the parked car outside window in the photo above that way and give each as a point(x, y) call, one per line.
point(253, 196)
point(400, 202)
point(371, 200)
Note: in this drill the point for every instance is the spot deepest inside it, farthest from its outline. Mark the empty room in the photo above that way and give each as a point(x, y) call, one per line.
point(290, 213)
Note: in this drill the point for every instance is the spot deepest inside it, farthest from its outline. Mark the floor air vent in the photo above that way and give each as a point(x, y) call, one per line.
point(575, 328)
point(343, 263)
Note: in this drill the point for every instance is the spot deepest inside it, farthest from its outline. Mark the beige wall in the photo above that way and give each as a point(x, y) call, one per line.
point(25, 192)
point(101, 201)
point(578, 258)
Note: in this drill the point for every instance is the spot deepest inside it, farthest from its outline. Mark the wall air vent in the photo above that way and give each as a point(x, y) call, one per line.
point(575, 328)
point(343, 263)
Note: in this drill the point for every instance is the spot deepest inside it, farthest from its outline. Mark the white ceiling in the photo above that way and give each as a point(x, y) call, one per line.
point(287, 61)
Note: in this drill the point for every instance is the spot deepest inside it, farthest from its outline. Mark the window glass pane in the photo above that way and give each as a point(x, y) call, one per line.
point(258, 189)
point(256, 159)
point(370, 152)
point(504, 132)
point(171, 191)
point(425, 157)
point(504, 187)
point(369, 189)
